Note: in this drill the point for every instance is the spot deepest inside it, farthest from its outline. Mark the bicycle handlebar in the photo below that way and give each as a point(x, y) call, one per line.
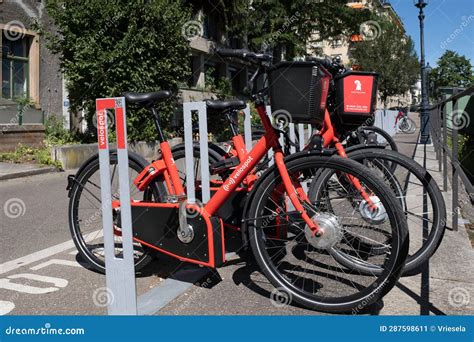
point(243, 54)
point(325, 62)
point(331, 65)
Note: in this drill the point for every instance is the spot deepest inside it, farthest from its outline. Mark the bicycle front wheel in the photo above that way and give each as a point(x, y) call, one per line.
point(418, 194)
point(303, 266)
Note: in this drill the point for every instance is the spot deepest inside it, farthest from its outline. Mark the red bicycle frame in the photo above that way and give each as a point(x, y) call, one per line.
point(329, 139)
point(248, 161)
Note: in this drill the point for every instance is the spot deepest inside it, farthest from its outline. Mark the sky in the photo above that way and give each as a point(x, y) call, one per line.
point(449, 25)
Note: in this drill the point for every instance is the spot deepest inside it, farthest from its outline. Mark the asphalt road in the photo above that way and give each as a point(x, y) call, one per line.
point(40, 271)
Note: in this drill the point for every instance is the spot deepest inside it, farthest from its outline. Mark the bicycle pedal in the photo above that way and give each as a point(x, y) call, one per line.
point(224, 165)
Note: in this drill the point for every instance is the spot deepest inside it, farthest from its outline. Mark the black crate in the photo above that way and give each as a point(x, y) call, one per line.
point(301, 89)
point(356, 97)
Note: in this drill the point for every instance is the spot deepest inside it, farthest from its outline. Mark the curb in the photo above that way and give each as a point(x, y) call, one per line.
point(28, 173)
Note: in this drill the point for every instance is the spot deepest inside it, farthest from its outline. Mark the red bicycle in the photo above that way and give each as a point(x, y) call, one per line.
point(296, 241)
point(416, 190)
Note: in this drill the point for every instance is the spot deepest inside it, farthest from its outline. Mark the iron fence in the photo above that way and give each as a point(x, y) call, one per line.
point(447, 121)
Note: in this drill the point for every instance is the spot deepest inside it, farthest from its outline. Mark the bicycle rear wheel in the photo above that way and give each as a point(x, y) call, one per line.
point(303, 266)
point(85, 210)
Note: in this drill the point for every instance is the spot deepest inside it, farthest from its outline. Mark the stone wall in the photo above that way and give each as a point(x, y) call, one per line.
point(11, 136)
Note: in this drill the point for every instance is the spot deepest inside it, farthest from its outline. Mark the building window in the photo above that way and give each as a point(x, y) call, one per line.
point(335, 43)
point(210, 27)
point(234, 75)
point(15, 67)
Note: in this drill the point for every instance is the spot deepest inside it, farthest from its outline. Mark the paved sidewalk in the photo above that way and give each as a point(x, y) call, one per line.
point(445, 287)
point(11, 170)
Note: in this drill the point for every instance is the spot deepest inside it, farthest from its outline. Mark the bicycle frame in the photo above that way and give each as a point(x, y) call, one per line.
point(329, 139)
point(248, 160)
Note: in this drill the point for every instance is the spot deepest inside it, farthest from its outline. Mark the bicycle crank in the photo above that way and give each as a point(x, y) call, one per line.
point(331, 229)
point(185, 235)
point(377, 216)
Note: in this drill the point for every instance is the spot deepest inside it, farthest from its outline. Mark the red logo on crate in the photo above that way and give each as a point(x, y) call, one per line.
point(358, 93)
point(102, 129)
point(324, 91)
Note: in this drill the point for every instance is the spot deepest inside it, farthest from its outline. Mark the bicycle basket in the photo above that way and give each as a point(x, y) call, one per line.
point(356, 96)
point(301, 89)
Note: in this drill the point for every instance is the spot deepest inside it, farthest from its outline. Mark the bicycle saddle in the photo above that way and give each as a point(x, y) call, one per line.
point(225, 106)
point(147, 99)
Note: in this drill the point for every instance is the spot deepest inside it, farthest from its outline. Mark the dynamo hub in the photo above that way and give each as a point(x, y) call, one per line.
point(377, 216)
point(331, 231)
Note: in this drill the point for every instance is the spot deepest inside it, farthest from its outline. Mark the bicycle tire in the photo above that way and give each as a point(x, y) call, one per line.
point(137, 164)
point(393, 262)
point(415, 260)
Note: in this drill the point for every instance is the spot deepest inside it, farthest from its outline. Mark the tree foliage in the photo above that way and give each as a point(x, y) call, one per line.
point(108, 47)
point(453, 70)
point(286, 27)
point(391, 54)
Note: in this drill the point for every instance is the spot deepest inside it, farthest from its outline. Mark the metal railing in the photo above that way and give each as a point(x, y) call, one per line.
point(446, 121)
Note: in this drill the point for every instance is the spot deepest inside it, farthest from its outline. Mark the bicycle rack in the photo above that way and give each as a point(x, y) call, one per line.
point(120, 271)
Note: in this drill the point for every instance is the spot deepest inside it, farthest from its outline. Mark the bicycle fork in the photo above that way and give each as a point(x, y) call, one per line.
point(294, 194)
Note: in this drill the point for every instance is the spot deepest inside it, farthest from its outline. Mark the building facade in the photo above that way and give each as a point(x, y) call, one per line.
point(342, 46)
point(207, 68)
point(29, 70)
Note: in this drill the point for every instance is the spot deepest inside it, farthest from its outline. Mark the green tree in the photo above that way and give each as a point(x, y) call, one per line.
point(286, 27)
point(391, 54)
point(108, 47)
point(453, 70)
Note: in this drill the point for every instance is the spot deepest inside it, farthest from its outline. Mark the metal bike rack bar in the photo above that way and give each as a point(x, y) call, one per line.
point(248, 128)
point(120, 271)
point(270, 153)
point(301, 137)
point(188, 109)
point(291, 127)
